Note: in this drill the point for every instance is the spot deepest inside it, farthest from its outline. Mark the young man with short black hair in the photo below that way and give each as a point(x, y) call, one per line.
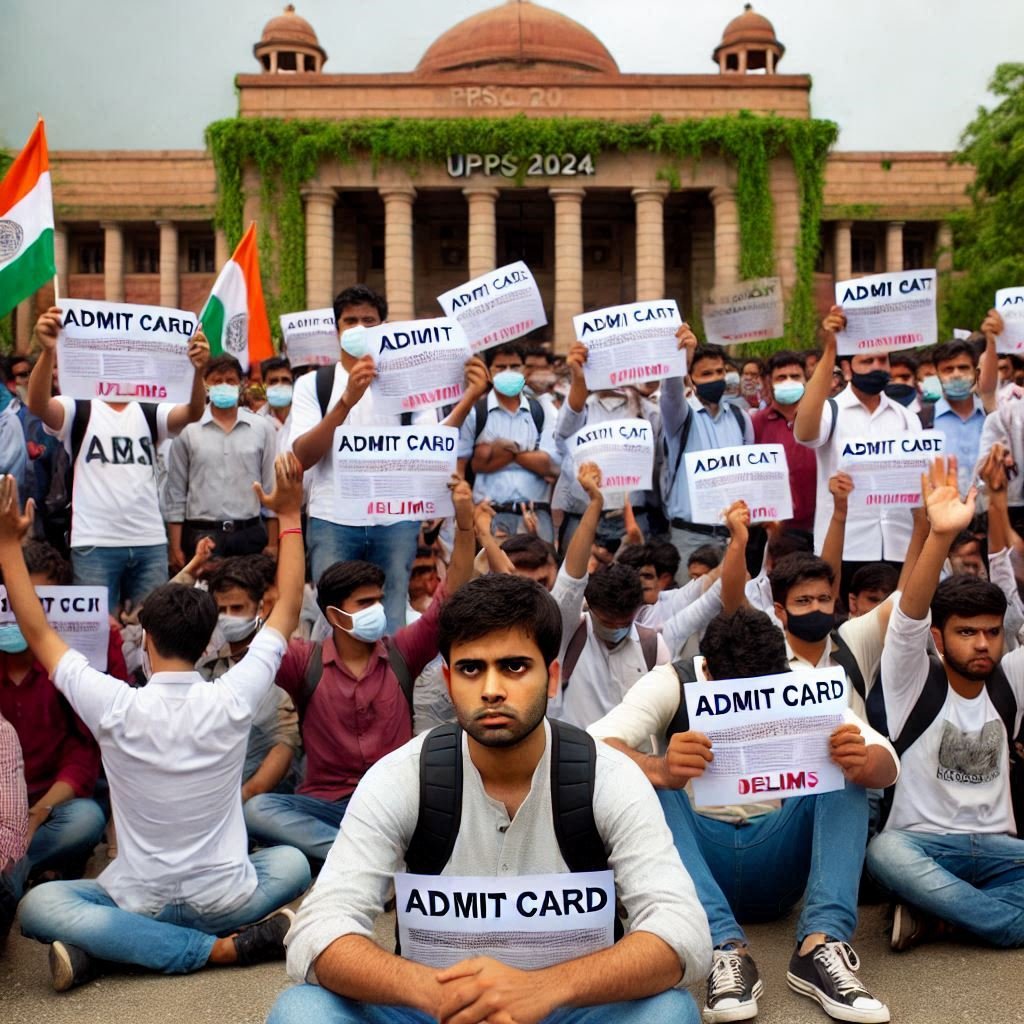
point(870, 585)
point(959, 414)
point(279, 382)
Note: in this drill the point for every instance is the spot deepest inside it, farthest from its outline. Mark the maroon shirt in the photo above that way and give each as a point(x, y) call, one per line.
point(771, 427)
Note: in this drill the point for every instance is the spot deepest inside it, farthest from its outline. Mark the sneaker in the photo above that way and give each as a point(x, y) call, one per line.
point(733, 988)
point(905, 928)
point(826, 975)
point(257, 943)
point(69, 966)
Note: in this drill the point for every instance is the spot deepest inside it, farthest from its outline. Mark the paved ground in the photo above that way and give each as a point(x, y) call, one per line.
point(948, 983)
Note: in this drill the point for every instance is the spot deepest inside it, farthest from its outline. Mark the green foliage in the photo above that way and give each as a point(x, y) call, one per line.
point(286, 154)
point(7, 334)
point(987, 237)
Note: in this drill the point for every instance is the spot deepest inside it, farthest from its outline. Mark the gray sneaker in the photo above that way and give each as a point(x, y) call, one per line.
point(69, 966)
point(733, 988)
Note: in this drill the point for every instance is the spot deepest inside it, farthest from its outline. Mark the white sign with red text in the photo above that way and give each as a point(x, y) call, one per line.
point(755, 473)
point(1010, 306)
point(311, 337)
point(80, 616)
point(887, 470)
point(622, 449)
point(749, 311)
point(887, 311)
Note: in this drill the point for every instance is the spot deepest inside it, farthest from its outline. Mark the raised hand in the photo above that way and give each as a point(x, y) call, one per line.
point(840, 486)
point(529, 515)
point(477, 377)
point(483, 517)
point(286, 497)
point(199, 349)
point(687, 340)
point(462, 499)
point(13, 523)
point(947, 512)
point(588, 476)
point(359, 379)
point(834, 322)
point(992, 325)
point(575, 359)
point(47, 328)
point(737, 519)
point(993, 469)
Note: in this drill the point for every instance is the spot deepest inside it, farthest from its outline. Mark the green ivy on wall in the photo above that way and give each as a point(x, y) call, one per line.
point(287, 153)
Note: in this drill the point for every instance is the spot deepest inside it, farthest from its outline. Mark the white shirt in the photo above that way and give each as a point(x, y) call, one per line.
point(955, 778)
point(650, 880)
point(173, 751)
point(871, 533)
point(114, 501)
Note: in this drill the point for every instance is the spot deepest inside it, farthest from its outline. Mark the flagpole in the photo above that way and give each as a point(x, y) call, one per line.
point(56, 289)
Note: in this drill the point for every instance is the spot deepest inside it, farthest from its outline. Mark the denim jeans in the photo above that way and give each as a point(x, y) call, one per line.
point(391, 547)
point(305, 1004)
point(12, 885)
point(512, 523)
point(129, 574)
point(974, 881)
point(65, 841)
point(813, 846)
point(178, 939)
point(687, 541)
point(305, 822)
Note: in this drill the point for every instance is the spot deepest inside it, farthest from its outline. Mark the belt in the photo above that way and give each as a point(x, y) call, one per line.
point(224, 526)
point(711, 531)
point(517, 506)
point(612, 513)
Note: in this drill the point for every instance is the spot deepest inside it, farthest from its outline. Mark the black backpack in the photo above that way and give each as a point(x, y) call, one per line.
point(324, 386)
point(684, 436)
point(315, 671)
point(648, 645)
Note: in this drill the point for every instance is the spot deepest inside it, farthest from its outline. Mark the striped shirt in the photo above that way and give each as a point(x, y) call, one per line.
point(13, 798)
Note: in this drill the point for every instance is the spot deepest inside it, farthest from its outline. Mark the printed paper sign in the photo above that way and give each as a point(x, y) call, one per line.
point(769, 735)
point(527, 922)
point(623, 451)
point(756, 473)
point(420, 364)
point(390, 474)
point(1010, 306)
point(311, 338)
point(496, 307)
point(887, 311)
point(78, 614)
point(631, 344)
point(886, 471)
point(121, 352)
point(749, 311)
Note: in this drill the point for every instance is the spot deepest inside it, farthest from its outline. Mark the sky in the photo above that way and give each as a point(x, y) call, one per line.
point(136, 74)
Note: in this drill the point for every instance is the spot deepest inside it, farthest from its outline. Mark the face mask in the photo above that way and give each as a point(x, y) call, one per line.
point(609, 636)
point(957, 387)
point(12, 640)
point(22, 391)
point(224, 396)
point(788, 392)
point(811, 626)
point(509, 383)
point(711, 391)
point(368, 624)
point(235, 630)
point(611, 402)
point(872, 383)
point(732, 382)
point(353, 342)
point(902, 393)
point(279, 395)
point(931, 389)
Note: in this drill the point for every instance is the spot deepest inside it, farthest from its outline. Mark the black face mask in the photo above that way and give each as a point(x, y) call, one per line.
point(872, 383)
point(902, 393)
point(711, 391)
point(811, 627)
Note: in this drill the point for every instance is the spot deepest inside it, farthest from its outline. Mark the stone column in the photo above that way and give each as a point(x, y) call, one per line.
point(482, 229)
point(60, 257)
point(113, 263)
point(943, 248)
point(221, 253)
point(842, 250)
point(568, 262)
point(727, 237)
point(650, 242)
point(168, 263)
point(23, 323)
point(319, 201)
point(894, 246)
point(399, 254)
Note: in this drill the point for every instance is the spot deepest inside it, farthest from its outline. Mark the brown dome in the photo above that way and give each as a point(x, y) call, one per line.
point(290, 34)
point(517, 34)
point(749, 29)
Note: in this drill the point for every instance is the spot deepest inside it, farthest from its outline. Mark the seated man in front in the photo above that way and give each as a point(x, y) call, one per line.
point(183, 892)
point(499, 636)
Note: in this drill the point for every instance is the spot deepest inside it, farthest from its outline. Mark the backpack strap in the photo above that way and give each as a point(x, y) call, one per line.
point(573, 651)
point(834, 406)
point(1005, 703)
point(684, 436)
point(149, 411)
point(845, 659)
point(79, 425)
point(926, 414)
point(648, 645)
point(926, 709)
point(440, 814)
point(480, 414)
point(681, 719)
point(573, 766)
point(311, 678)
point(401, 669)
point(741, 421)
point(537, 412)
point(324, 387)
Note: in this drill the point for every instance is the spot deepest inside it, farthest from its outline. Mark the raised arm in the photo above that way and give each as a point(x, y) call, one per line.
point(313, 445)
point(460, 568)
point(674, 407)
point(182, 415)
point(734, 564)
point(840, 485)
point(578, 390)
point(988, 366)
point(807, 425)
point(286, 503)
point(40, 383)
point(477, 380)
point(577, 555)
point(483, 517)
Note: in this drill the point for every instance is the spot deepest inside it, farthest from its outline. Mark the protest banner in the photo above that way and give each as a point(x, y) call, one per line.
point(310, 338)
point(390, 474)
point(748, 311)
point(420, 364)
point(120, 352)
point(80, 616)
point(623, 451)
point(496, 307)
point(887, 311)
point(527, 922)
point(1010, 306)
point(756, 473)
point(886, 471)
point(631, 344)
point(769, 735)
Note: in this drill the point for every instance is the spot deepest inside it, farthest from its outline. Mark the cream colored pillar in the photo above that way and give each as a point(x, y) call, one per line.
point(168, 263)
point(220, 249)
point(727, 237)
point(113, 263)
point(482, 229)
point(944, 248)
point(894, 246)
point(23, 323)
point(568, 262)
point(60, 257)
point(319, 201)
point(842, 250)
point(650, 242)
point(399, 255)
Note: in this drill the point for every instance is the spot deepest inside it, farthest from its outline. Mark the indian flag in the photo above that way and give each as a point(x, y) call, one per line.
point(26, 224)
point(234, 318)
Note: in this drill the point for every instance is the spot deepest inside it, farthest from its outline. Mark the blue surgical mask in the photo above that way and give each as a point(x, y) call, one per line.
point(609, 636)
point(931, 389)
point(368, 624)
point(957, 387)
point(788, 392)
point(279, 395)
point(12, 640)
point(353, 341)
point(509, 383)
point(224, 396)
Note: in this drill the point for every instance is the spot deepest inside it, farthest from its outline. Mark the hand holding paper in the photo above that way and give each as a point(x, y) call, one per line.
point(359, 379)
point(992, 325)
point(48, 327)
point(687, 757)
point(199, 349)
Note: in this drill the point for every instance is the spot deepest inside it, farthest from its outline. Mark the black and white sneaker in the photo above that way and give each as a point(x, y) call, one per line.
point(69, 966)
point(826, 974)
point(733, 988)
point(263, 941)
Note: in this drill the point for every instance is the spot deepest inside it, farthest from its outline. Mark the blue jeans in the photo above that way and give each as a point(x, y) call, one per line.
point(392, 547)
point(305, 822)
point(12, 885)
point(512, 523)
point(974, 881)
point(65, 841)
point(178, 939)
point(129, 574)
point(307, 1003)
point(813, 846)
